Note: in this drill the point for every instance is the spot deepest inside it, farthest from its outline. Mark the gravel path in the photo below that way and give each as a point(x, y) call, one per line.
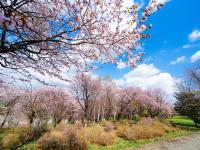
point(184, 143)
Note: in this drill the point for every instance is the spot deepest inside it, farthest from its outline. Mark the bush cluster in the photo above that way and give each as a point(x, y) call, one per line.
point(77, 137)
point(98, 135)
point(63, 138)
point(22, 135)
point(145, 129)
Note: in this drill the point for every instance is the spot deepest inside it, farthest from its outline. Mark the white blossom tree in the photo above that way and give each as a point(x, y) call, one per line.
point(45, 36)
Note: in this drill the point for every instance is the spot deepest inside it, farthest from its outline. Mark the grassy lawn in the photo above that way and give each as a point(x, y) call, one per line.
point(181, 120)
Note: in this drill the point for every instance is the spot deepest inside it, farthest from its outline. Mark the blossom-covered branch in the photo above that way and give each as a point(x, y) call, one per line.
point(46, 36)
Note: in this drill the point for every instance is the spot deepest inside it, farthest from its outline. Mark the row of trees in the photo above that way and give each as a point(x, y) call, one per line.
point(86, 100)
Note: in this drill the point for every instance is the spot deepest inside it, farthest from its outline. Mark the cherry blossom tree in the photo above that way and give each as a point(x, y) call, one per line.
point(58, 104)
point(165, 109)
point(8, 100)
point(87, 92)
point(103, 100)
point(45, 36)
point(30, 104)
point(154, 101)
point(92, 99)
point(47, 104)
point(72, 112)
point(106, 106)
point(128, 104)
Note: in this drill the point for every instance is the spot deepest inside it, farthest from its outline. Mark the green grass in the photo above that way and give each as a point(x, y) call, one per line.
point(181, 120)
point(184, 123)
point(29, 146)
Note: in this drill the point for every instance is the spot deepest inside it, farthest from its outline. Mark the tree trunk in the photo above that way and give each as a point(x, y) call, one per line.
point(5, 119)
point(98, 116)
point(197, 123)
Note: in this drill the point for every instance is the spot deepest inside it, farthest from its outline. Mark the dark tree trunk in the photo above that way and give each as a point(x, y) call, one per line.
point(197, 123)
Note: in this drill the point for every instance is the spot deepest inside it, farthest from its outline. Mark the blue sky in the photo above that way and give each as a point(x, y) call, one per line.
point(170, 33)
point(174, 46)
point(173, 24)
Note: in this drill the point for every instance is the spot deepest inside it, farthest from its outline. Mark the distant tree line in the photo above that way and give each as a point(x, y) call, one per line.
point(87, 100)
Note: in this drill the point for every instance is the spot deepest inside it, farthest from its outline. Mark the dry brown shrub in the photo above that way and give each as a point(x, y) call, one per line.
point(63, 138)
point(11, 141)
point(145, 129)
point(96, 135)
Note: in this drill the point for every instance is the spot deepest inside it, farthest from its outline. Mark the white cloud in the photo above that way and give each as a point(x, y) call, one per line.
point(121, 65)
point(51, 80)
point(92, 75)
point(66, 73)
point(195, 57)
point(148, 76)
point(193, 45)
point(162, 1)
point(179, 60)
point(38, 79)
point(195, 35)
point(187, 46)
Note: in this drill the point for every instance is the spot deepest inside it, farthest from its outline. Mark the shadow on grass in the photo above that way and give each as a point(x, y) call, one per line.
point(187, 127)
point(183, 123)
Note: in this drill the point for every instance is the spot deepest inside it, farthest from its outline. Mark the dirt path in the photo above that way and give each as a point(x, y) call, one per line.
point(184, 143)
